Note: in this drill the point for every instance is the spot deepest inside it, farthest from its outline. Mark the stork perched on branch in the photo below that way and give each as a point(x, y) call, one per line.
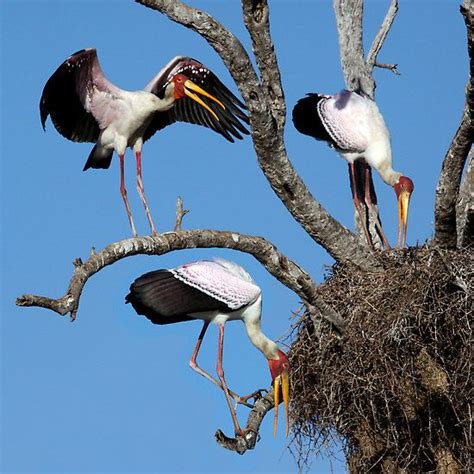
point(85, 107)
point(351, 123)
point(213, 291)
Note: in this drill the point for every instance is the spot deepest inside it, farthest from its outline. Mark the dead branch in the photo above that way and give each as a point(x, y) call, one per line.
point(357, 72)
point(256, 18)
point(281, 267)
point(338, 241)
point(381, 36)
point(447, 189)
point(180, 213)
point(240, 444)
point(390, 67)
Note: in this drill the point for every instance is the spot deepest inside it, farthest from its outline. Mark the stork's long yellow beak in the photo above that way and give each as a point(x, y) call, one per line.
point(190, 86)
point(283, 382)
point(403, 203)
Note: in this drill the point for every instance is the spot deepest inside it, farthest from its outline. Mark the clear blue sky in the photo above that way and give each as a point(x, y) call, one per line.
point(111, 392)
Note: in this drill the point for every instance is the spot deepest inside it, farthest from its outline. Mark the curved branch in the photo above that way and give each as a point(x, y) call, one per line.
point(338, 241)
point(447, 190)
point(277, 264)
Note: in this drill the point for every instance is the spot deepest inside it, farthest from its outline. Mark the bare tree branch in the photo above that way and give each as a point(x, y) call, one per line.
point(465, 207)
point(381, 36)
point(180, 213)
point(338, 241)
point(256, 18)
point(449, 181)
point(391, 67)
point(281, 267)
point(241, 444)
point(357, 72)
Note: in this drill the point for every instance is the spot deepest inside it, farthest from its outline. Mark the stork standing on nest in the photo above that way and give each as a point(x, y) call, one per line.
point(213, 291)
point(351, 123)
point(85, 107)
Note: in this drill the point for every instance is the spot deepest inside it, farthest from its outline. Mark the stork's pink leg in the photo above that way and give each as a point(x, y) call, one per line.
point(196, 368)
point(141, 192)
point(220, 373)
point(371, 206)
point(123, 192)
point(358, 204)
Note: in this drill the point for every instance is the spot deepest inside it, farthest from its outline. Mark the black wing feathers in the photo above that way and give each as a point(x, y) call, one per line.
point(306, 119)
point(229, 122)
point(62, 99)
point(164, 299)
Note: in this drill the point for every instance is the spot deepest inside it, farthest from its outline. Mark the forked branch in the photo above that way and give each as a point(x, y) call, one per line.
point(267, 132)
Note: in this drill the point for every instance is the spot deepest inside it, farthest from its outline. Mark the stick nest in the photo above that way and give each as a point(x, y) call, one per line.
point(396, 387)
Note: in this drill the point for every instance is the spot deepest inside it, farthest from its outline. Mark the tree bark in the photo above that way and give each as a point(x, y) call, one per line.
point(447, 190)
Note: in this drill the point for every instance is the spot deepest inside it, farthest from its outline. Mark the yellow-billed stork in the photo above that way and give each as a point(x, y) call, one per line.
point(214, 291)
point(85, 107)
point(352, 124)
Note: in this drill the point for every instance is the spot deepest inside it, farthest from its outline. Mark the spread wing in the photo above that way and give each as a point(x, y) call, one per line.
point(344, 117)
point(77, 97)
point(230, 119)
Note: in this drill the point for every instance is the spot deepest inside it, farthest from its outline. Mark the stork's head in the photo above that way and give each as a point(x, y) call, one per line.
point(183, 86)
point(279, 370)
point(403, 189)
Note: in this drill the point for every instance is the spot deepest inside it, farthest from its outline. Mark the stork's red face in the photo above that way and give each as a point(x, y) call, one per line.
point(183, 86)
point(279, 370)
point(403, 189)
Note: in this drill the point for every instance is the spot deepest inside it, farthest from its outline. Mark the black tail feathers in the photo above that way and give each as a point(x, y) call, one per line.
point(99, 158)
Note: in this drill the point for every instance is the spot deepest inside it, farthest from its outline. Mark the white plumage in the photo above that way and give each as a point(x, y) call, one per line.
point(352, 124)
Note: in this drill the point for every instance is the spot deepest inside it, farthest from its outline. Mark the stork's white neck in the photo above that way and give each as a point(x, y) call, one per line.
point(388, 174)
point(265, 345)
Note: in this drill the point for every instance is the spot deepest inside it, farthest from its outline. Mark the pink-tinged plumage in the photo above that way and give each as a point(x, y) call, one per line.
point(352, 124)
point(219, 281)
point(213, 291)
point(86, 107)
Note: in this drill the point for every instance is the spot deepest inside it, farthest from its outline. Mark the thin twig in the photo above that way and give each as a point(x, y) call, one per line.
point(180, 213)
point(382, 35)
point(391, 67)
